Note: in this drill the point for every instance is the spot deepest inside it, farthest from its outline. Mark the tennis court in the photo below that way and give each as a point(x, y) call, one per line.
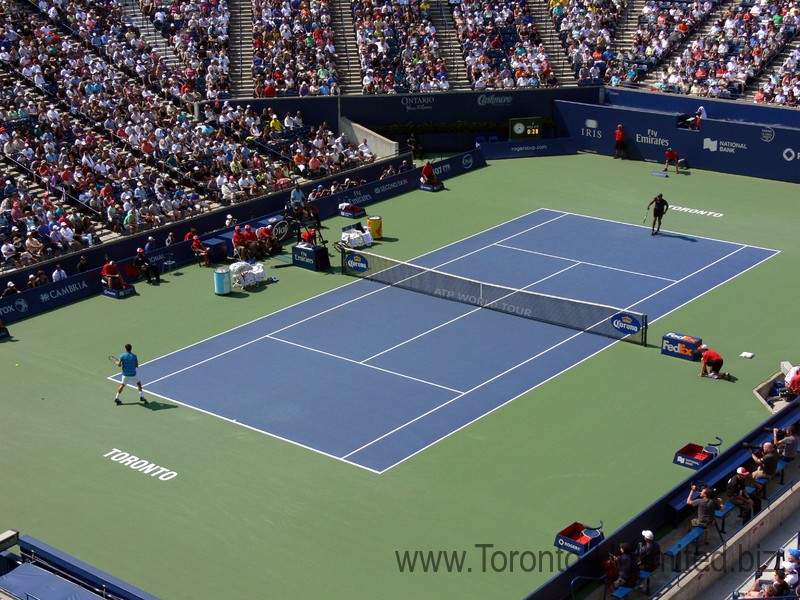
point(372, 374)
point(593, 444)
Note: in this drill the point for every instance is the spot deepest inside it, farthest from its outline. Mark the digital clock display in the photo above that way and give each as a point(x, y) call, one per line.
point(525, 128)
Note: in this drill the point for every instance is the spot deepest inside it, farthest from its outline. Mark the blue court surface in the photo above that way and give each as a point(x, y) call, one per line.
point(371, 374)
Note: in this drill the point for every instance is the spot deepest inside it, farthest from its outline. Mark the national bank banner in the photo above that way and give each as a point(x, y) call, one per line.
point(729, 147)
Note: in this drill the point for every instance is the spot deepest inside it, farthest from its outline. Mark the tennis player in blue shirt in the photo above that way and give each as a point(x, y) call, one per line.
point(129, 363)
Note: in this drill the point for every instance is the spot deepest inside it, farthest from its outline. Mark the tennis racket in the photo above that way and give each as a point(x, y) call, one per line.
point(646, 214)
point(113, 359)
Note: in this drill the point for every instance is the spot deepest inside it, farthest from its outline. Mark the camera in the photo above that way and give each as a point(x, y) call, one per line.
point(780, 435)
point(750, 446)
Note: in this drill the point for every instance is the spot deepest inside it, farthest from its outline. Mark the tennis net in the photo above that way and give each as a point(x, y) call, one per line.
point(604, 320)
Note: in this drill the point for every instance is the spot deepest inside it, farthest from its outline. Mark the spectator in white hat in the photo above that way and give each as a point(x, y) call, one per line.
point(648, 552)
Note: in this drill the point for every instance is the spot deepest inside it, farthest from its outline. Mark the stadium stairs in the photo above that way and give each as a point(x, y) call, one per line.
point(627, 26)
point(134, 13)
point(240, 48)
point(754, 85)
point(654, 76)
point(348, 65)
point(449, 45)
point(559, 61)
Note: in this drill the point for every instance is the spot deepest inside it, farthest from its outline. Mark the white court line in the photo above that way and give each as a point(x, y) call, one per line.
point(316, 350)
point(522, 217)
point(466, 314)
point(431, 411)
point(666, 231)
point(333, 308)
point(583, 262)
point(267, 433)
point(480, 385)
point(355, 362)
point(478, 418)
point(354, 282)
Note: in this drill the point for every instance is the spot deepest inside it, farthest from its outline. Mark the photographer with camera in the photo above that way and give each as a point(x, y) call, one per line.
point(767, 461)
point(786, 441)
point(737, 493)
point(707, 504)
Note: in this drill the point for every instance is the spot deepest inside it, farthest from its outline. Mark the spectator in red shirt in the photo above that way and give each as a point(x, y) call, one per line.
point(711, 364)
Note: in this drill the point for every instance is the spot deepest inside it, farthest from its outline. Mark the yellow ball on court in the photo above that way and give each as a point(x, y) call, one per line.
point(16, 365)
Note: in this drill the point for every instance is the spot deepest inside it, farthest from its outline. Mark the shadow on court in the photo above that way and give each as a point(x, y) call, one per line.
point(678, 236)
point(155, 405)
point(151, 405)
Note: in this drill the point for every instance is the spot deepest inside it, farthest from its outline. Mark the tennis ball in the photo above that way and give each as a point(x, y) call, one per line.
point(16, 365)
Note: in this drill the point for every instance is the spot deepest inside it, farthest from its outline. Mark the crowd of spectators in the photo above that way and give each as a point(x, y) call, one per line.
point(198, 34)
point(783, 86)
point(737, 48)
point(662, 27)
point(587, 30)
point(107, 30)
point(294, 49)
point(398, 48)
point(162, 132)
point(502, 47)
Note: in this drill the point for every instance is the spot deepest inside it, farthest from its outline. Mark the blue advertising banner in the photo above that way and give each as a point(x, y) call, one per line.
point(416, 109)
point(715, 109)
point(738, 148)
point(525, 148)
point(39, 299)
point(77, 287)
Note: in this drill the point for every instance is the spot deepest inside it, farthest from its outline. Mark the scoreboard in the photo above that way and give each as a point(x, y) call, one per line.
point(525, 128)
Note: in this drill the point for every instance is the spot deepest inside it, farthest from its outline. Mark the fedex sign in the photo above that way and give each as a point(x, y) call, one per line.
point(680, 345)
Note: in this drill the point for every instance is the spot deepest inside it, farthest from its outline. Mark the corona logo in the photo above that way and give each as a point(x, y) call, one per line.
point(625, 323)
point(357, 263)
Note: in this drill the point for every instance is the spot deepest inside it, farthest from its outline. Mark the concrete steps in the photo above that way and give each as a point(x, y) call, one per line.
point(449, 46)
point(240, 48)
point(556, 52)
point(133, 12)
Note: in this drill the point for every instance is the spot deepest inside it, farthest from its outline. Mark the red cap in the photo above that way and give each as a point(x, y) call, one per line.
point(197, 237)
